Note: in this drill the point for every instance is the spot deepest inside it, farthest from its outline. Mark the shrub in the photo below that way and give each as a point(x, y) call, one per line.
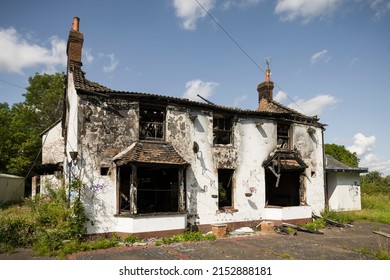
point(132, 239)
point(315, 225)
point(46, 223)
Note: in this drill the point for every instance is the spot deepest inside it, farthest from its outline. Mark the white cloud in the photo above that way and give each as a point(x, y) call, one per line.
point(314, 106)
point(353, 61)
point(305, 9)
point(380, 7)
point(362, 144)
point(375, 163)
point(195, 87)
point(113, 62)
point(239, 99)
point(320, 56)
point(190, 11)
point(18, 53)
point(87, 56)
point(280, 96)
point(364, 147)
point(239, 3)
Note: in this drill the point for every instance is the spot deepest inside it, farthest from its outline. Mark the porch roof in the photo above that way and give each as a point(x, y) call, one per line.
point(283, 159)
point(149, 152)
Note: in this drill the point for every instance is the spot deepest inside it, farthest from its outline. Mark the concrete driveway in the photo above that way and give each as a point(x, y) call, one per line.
point(351, 243)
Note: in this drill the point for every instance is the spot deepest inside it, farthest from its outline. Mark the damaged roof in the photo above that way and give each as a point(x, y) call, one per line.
point(333, 165)
point(149, 152)
point(275, 109)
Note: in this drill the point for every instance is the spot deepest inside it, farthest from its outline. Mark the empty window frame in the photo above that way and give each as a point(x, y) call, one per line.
point(150, 189)
point(283, 135)
point(222, 129)
point(225, 188)
point(157, 190)
point(151, 123)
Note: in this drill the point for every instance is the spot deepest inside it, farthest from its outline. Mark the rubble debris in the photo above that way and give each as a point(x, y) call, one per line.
point(299, 228)
point(242, 231)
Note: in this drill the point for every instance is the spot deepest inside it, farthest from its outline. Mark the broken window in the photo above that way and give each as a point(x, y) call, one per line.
point(104, 171)
point(150, 189)
point(157, 190)
point(151, 123)
point(225, 188)
point(283, 136)
point(222, 129)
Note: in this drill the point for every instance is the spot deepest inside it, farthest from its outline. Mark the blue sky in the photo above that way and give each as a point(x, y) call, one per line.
point(329, 58)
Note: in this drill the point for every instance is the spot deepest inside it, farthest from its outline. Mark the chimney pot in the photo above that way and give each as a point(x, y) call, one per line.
point(75, 25)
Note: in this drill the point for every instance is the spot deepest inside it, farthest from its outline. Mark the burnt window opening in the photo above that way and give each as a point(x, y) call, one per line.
point(283, 136)
point(158, 190)
point(225, 188)
point(104, 171)
point(222, 129)
point(283, 189)
point(151, 123)
point(149, 189)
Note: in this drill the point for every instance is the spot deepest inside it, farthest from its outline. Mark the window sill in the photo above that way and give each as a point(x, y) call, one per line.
point(128, 215)
point(223, 145)
point(227, 209)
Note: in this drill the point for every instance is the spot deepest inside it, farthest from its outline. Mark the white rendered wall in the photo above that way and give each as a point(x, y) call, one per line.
point(53, 145)
point(344, 191)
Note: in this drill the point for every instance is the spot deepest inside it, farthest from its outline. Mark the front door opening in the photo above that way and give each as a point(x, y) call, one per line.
point(283, 189)
point(225, 189)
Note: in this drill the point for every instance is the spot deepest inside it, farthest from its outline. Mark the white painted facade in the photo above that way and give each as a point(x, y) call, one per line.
point(252, 144)
point(344, 191)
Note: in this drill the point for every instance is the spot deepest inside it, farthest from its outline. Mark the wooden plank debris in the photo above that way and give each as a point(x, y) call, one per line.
point(299, 228)
point(385, 234)
point(329, 222)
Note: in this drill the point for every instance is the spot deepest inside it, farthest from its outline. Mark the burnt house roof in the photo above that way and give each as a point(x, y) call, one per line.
point(333, 165)
point(276, 110)
point(149, 152)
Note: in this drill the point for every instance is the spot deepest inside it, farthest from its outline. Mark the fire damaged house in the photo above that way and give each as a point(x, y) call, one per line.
point(154, 165)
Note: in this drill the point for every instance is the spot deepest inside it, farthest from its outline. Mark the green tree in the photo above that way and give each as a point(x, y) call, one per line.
point(342, 154)
point(44, 98)
point(26, 120)
point(5, 124)
point(373, 177)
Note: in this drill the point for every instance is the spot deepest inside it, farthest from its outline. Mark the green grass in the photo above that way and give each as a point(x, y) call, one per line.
point(375, 207)
point(189, 236)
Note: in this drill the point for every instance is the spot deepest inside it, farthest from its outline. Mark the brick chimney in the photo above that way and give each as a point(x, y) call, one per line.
point(265, 90)
point(75, 45)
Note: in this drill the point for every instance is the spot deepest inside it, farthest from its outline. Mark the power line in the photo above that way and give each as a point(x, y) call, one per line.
point(12, 84)
point(247, 55)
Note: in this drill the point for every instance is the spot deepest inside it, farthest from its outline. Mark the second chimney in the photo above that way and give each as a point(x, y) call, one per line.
point(265, 90)
point(75, 44)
